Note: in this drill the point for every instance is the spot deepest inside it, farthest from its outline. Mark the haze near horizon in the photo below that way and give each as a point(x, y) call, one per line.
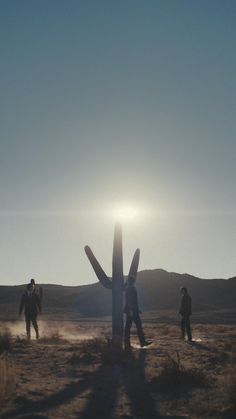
point(117, 110)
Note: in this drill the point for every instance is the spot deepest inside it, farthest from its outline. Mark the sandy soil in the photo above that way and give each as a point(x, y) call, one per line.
point(71, 373)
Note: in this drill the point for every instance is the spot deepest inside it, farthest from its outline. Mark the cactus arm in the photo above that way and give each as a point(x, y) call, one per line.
point(134, 264)
point(105, 281)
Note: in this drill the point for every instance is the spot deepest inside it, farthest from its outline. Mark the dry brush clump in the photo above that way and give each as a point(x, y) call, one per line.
point(5, 342)
point(7, 378)
point(174, 376)
point(53, 338)
point(87, 350)
point(231, 387)
point(99, 349)
point(229, 381)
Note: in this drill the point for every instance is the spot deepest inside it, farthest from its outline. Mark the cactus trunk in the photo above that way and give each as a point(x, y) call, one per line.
point(117, 288)
point(117, 282)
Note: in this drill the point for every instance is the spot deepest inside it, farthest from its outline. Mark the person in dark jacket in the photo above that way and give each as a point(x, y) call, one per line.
point(185, 311)
point(132, 312)
point(31, 304)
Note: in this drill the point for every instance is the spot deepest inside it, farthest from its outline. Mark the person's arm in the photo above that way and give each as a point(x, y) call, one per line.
point(181, 308)
point(134, 301)
point(190, 306)
point(22, 304)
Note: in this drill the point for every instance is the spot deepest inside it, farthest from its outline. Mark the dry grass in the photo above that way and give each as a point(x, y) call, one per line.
point(7, 378)
point(88, 350)
point(231, 387)
point(5, 342)
point(229, 381)
point(99, 349)
point(54, 338)
point(60, 378)
point(174, 376)
point(94, 345)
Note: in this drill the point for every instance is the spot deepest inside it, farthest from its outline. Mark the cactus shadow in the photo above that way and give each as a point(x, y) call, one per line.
point(26, 406)
point(100, 391)
point(130, 376)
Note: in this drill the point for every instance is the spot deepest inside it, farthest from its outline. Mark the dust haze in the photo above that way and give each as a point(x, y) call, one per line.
point(62, 330)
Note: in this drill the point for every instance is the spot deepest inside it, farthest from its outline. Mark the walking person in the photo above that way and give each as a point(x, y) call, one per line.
point(31, 304)
point(132, 312)
point(185, 311)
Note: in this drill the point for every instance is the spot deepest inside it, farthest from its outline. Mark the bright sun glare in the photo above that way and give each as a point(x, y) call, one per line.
point(125, 213)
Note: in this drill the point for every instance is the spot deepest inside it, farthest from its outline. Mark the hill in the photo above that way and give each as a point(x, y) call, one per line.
point(157, 289)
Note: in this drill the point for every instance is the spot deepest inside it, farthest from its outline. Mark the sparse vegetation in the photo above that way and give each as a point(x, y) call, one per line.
point(231, 387)
point(174, 376)
point(100, 349)
point(54, 338)
point(192, 380)
point(7, 378)
point(88, 350)
point(5, 342)
point(94, 345)
point(229, 381)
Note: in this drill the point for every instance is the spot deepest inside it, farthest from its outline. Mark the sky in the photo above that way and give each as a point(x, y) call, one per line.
point(111, 107)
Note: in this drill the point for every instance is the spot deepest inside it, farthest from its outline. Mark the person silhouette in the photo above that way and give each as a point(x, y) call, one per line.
point(31, 304)
point(185, 311)
point(131, 309)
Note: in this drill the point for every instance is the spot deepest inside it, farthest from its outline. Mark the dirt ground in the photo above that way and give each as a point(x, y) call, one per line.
point(72, 372)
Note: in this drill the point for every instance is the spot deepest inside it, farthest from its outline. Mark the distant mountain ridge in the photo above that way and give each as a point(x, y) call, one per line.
point(157, 290)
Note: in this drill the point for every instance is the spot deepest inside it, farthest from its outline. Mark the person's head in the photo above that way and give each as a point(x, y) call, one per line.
point(131, 280)
point(183, 290)
point(32, 282)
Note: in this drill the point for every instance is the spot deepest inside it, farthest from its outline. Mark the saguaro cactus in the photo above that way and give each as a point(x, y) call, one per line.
point(116, 283)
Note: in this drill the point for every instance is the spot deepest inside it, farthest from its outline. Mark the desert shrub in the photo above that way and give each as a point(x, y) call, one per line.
point(229, 381)
point(100, 349)
point(174, 376)
point(54, 338)
point(95, 345)
point(88, 350)
point(219, 358)
point(112, 354)
point(231, 387)
point(164, 330)
point(5, 342)
point(7, 378)
point(229, 345)
point(78, 357)
point(233, 356)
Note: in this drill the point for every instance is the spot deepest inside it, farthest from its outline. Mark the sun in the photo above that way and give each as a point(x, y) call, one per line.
point(125, 213)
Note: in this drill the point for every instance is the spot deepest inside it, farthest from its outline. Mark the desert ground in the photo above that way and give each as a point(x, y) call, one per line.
point(73, 372)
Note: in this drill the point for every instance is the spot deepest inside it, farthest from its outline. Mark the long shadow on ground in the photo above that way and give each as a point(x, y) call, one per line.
point(103, 385)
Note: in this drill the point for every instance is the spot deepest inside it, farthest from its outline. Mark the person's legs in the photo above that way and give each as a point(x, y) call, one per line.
point(139, 327)
point(27, 324)
point(35, 324)
point(128, 325)
point(182, 326)
point(188, 328)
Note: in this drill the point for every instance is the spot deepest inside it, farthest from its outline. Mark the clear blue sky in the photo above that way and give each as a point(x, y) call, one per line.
point(105, 103)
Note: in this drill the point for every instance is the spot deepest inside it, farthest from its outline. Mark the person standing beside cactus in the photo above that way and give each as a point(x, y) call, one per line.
point(132, 312)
